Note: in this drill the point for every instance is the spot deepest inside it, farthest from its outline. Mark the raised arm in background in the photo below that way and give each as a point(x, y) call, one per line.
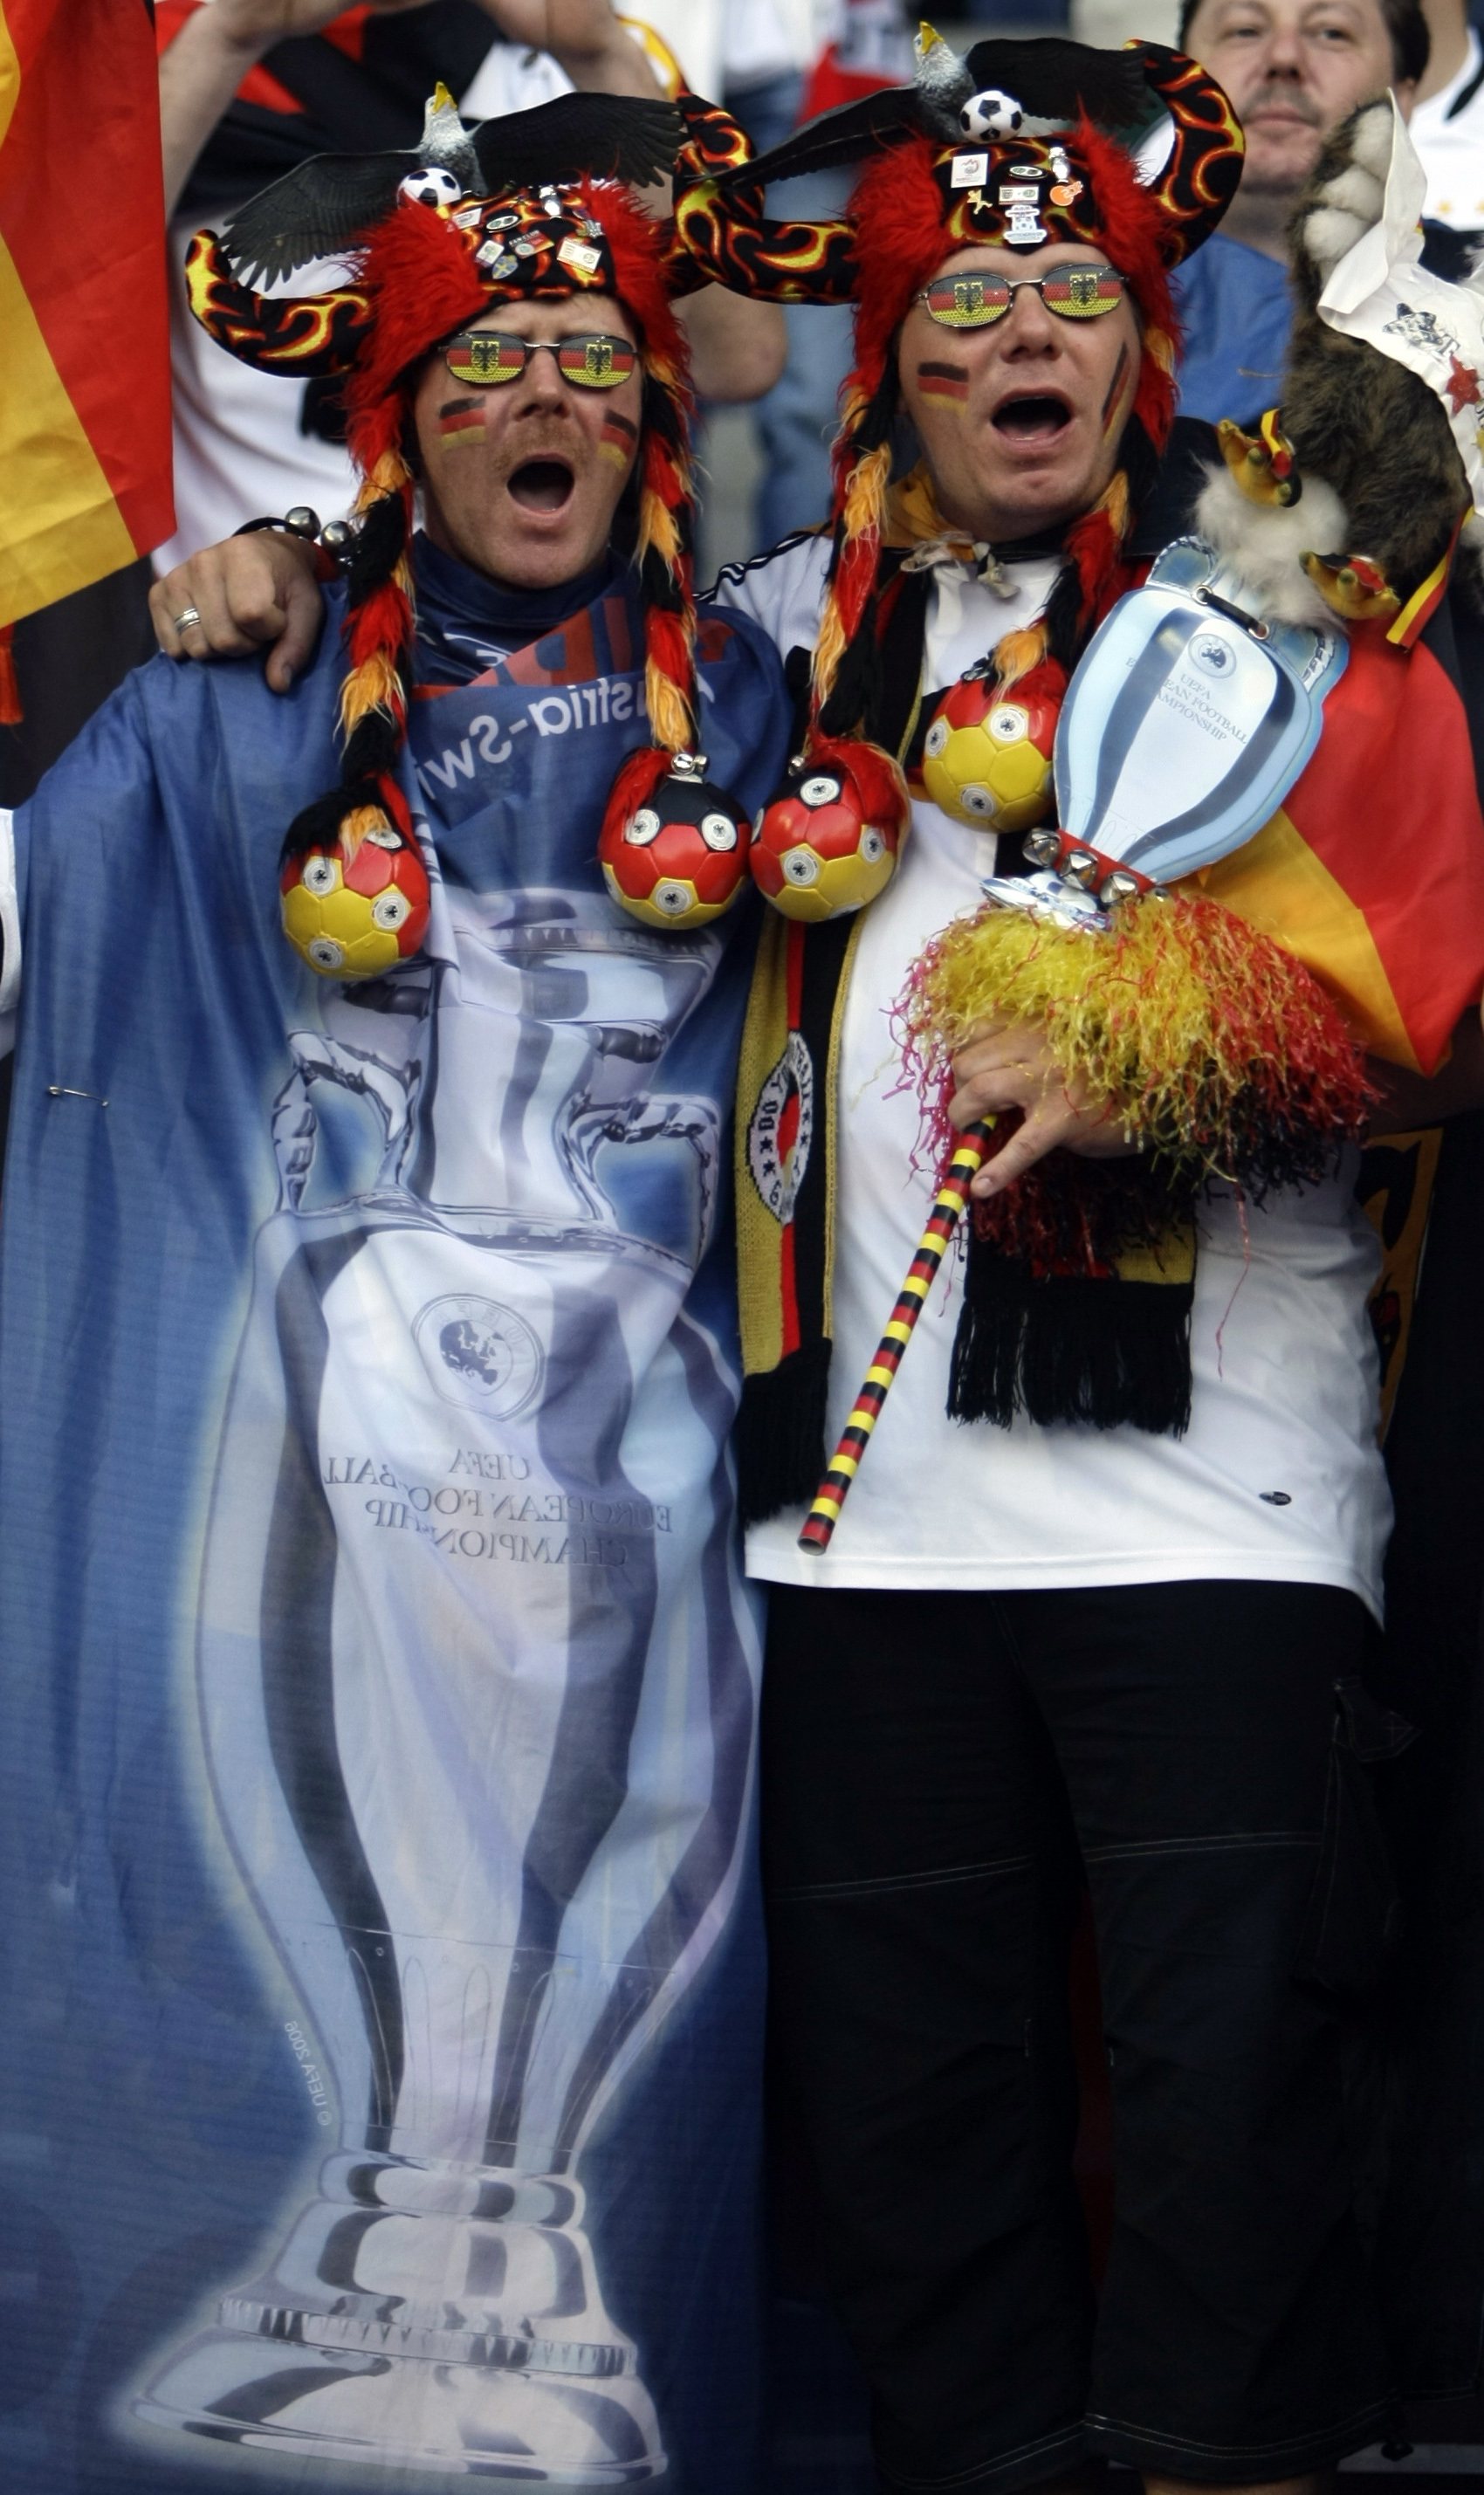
point(738, 348)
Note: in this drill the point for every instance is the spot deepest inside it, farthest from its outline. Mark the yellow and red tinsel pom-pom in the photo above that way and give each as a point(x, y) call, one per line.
point(1216, 1050)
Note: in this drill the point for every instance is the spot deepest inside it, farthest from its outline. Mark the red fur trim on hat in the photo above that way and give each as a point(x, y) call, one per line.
point(1131, 223)
point(897, 214)
point(421, 283)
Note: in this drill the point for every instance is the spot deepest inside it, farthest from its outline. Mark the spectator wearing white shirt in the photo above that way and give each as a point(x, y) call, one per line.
point(1448, 123)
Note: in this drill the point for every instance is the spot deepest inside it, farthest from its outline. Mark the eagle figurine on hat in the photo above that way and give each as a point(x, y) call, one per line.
point(323, 206)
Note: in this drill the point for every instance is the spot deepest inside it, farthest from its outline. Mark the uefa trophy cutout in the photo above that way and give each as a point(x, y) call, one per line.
point(1187, 720)
point(457, 1583)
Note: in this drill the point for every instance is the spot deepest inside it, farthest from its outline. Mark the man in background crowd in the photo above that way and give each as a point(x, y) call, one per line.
point(1294, 70)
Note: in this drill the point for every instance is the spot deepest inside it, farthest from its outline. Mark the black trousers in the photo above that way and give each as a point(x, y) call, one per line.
point(941, 1771)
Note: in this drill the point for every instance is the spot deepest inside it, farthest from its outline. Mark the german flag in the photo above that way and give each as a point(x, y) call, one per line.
point(84, 409)
point(1372, 871)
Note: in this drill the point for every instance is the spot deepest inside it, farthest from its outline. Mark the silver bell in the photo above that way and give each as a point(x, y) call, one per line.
point(1042, 847)
point(304, 523)
point(1080, 867)
point(1119, 886)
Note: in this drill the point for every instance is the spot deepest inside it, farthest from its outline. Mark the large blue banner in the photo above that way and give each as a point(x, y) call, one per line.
point(382, 1972)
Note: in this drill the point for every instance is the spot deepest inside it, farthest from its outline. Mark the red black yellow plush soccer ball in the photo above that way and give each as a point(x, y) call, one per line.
point(986, 758)
point(353, 910)
point(828, 842)
point(673, 847)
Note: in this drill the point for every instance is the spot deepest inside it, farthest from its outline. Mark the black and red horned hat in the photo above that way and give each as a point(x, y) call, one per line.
point(1017, 144)
point(536, 205)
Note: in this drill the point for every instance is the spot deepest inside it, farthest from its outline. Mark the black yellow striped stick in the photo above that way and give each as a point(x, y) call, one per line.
point(969, 1154)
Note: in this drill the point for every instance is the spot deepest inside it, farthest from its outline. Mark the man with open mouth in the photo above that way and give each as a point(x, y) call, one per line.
point(1110, 1631)
point(1113, 1638)
point(431, 1644)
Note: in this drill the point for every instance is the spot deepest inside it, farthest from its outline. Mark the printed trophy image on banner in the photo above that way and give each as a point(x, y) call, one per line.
point(476, 1675)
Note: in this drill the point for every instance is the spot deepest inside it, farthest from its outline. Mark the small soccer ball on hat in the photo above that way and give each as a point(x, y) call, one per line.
point(355, 910)
point(828, 842)
point(991, 115)
point(431, 186)
point(678, 859)
point(987, 755)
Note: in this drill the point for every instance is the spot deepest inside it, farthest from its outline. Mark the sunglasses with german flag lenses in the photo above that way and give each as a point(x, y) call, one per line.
point(591, 360)
point(970, 298)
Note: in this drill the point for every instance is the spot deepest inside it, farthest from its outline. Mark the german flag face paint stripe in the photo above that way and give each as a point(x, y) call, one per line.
point(460, 421)
point(617, 440)
point(944, 385)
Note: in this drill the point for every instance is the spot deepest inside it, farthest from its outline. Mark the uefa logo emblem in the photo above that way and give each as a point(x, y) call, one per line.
point(481, 1354)
point(1213, 656)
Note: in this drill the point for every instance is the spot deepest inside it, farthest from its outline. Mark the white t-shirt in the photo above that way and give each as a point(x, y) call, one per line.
point(239, 454)
point(1448, 132)
point(1278, 1475)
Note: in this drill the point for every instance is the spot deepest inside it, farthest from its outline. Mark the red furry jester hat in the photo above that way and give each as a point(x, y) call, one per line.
point(534, 205)
point(1018, 145)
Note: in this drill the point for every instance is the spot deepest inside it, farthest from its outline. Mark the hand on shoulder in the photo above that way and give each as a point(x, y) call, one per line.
point(255, 592)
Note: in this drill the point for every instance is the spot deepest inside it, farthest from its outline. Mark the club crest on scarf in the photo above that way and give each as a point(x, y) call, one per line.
point(534, 207)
